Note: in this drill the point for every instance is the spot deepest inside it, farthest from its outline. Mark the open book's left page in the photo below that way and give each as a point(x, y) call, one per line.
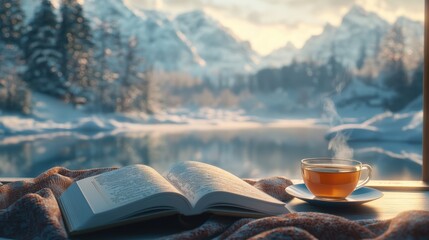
point(125, 185)
point(115, 196)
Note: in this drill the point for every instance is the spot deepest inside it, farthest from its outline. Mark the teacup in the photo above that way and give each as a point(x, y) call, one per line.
point(333, 177)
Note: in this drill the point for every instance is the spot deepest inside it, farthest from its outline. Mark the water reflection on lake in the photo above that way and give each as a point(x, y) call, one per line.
point(256, 152)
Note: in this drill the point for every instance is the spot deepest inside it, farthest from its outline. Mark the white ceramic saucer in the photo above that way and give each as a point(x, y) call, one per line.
point(359, 196)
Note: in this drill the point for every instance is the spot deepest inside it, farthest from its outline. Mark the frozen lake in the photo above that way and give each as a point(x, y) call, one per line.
point(253, 152)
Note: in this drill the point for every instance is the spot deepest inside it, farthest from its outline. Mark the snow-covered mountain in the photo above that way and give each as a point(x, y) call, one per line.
point(280, 57)
point(359, 31)
point(192, 42)
point(195, 43)
point(217, 45)
point(158, 39)
point(360, 35)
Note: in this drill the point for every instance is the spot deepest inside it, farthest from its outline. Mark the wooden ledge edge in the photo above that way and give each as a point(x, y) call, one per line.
point(393, 185)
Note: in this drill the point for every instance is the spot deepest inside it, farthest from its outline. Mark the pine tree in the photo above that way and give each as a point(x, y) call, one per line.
point(362, 57)
point(130, 90)
point(11, 21)
point(75, 45)
point(392, 46)
point(337, 76)
point(138, 90)
point(108, 52)
point(14, 93)
point(409, 91)
point(43, 70)
point(391, 55)
point(394, 74)
point(150, 101)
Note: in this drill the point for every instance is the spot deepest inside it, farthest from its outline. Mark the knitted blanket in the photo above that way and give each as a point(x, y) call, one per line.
point(29, 210)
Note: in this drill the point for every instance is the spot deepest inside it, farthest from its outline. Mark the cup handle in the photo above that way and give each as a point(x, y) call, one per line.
point(368, 168)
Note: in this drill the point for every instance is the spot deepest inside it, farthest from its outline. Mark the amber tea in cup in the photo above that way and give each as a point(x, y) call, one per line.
point(333, 177)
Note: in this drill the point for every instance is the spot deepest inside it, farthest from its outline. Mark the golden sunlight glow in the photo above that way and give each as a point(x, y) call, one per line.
point(386, 11)
point(266, 38)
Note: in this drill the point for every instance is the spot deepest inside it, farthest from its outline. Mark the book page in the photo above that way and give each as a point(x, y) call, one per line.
point(130, 183)
point(196, 179)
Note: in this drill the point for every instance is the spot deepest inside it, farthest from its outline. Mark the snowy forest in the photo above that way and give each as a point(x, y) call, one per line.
point(99, 67)
point(60, 58)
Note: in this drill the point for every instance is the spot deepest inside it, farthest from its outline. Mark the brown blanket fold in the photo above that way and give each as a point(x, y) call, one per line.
point(29, 210)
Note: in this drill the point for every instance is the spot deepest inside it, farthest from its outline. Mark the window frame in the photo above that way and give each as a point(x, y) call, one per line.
point(425, 145)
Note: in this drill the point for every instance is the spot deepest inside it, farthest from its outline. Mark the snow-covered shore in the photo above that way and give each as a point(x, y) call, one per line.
point(403, 127)
point(51, 115)
point(386, 135)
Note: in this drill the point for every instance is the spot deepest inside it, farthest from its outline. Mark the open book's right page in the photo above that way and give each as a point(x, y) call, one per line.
point(196, 179)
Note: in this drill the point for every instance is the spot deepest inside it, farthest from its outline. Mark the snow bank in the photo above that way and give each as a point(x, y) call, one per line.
point(385, 126)
point(93, 124)
point(361, 100)
point(11, 125)
point(52, 115)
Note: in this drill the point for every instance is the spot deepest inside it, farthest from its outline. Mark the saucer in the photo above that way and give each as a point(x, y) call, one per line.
point(359, 196)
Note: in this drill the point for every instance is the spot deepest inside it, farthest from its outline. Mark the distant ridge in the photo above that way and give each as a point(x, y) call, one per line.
point(195, 43)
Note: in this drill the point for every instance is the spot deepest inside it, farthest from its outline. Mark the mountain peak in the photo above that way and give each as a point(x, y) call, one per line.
point(328, 27)
point(290, 45)
point(358, 16)
point(357, 10)
point(195, 14)
point(199, 12)
point(198, 20)
point(280, 57)
point(402, 20)
point(216, 44)
point(108, 9)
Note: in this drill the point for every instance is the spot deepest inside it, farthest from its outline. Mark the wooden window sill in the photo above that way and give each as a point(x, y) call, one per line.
point(399, 196)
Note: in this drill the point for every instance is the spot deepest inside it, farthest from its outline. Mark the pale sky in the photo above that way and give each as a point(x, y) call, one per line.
point(270, 24)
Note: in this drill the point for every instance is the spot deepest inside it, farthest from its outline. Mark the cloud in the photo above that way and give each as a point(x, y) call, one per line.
point(329, 3)
point(173, 6)
point(414, 5)
point(392, 9)
point(314, 5)
point(395, 5)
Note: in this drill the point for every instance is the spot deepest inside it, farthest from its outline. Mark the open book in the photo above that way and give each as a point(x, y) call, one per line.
point(138, 192)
